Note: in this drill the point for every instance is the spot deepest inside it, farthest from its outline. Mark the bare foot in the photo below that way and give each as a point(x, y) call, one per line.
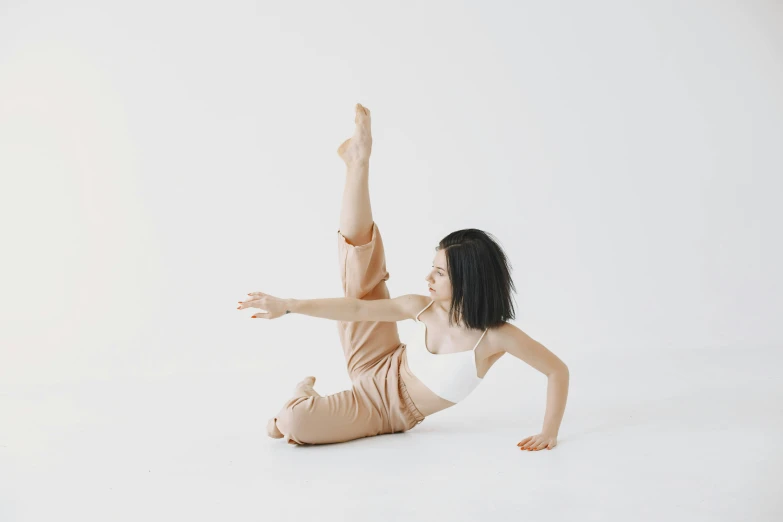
point(356, 149)
point(306, 387)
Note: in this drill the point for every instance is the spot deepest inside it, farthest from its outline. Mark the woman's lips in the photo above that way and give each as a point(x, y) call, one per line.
point(431, 290)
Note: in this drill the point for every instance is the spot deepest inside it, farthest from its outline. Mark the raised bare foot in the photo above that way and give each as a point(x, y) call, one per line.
point(306, 387)
point(356, 149)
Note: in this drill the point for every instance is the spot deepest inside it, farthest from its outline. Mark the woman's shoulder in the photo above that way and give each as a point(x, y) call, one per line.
point(414, 304)
point(492, 345)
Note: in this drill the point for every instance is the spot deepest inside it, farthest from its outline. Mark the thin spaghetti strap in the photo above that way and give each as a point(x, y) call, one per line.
point(417, 315)
point(480, 338)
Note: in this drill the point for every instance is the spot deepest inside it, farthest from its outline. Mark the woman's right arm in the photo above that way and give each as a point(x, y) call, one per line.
point(335, 308)
point(353, 309)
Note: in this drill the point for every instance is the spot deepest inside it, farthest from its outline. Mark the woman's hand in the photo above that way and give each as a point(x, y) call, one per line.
point(538, 442)
point(275, 307)
point(356, 149)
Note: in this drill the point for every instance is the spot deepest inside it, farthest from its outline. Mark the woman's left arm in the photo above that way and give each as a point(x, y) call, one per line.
point(512, 340)
point(556, 395)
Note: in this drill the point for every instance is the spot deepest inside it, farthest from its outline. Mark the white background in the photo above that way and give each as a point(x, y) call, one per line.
point(160, 160)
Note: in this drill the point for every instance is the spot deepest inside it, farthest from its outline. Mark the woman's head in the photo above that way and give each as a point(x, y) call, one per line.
point(471, 273)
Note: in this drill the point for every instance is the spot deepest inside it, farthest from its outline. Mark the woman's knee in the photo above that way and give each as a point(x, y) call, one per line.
point(363, 267)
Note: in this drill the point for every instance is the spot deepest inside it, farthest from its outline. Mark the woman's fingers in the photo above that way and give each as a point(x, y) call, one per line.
point(531, 443)
point(537, 443)
point(257, 298)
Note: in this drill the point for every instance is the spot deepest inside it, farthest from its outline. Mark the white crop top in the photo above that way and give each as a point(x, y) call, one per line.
point(452, 376)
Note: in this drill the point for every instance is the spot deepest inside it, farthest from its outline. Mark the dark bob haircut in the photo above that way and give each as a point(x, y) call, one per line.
point(480, 275)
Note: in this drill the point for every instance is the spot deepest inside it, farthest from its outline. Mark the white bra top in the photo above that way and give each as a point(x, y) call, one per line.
point(452, 376)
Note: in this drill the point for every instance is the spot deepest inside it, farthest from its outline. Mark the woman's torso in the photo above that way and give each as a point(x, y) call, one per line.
point(442, 339)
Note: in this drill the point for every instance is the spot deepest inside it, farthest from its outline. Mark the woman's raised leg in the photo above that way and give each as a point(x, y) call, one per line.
point(356, 212)
point(361, 256)
point(372, 405)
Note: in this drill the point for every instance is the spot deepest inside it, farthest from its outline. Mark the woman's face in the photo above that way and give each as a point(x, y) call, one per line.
point(438, 278)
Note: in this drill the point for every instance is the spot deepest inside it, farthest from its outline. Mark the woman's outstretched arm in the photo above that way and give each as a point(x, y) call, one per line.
point(353, 309)
point(337, 308)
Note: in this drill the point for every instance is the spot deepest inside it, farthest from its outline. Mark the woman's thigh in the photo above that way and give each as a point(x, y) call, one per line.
point(363, 275)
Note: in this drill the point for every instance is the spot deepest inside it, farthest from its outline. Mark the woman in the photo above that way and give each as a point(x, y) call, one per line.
point(464, 329)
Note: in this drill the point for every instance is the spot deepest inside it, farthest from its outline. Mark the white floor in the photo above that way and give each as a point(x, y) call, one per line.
point(673, 436)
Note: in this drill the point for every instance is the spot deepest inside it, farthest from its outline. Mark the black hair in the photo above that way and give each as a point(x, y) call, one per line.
point(480, 275)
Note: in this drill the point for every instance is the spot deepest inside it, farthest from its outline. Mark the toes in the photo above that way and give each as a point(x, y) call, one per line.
point(362, 112)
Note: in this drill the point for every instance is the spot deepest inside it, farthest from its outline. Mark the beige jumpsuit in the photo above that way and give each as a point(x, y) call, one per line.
point(378, 401)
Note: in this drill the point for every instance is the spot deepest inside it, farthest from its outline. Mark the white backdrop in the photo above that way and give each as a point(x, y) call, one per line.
point(160, 160)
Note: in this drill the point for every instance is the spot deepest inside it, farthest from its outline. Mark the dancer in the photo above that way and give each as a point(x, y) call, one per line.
point(463, 329)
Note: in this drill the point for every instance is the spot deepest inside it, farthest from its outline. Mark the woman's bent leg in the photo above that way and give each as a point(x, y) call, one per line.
point(339, 417)
point(376, 404)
